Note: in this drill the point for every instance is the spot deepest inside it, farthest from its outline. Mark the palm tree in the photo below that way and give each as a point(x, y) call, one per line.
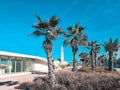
point(115, 59)
point(102, 59)
point(84, 58)
point(110, 47)
point(50, 31)
point(76, 37)
point(94, 49)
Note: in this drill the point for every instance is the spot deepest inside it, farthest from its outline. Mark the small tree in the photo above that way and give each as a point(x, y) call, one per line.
point(84, 58)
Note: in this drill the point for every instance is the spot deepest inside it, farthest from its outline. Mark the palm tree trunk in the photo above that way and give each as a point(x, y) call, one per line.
point(82, 64)
point(93, 60)
point(89, 62)
point(110, 60)
point(50, 69)
point(47, 45)
point(74, 62)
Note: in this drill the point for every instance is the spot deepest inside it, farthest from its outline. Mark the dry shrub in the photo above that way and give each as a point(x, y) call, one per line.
point(86, 69)
point(23, 85)
point(97, 69)
point(68, 80)
point(89, 81)
point(59, 87)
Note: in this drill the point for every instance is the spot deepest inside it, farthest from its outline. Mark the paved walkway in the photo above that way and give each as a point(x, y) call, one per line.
point(20, 78)
point(118, 69)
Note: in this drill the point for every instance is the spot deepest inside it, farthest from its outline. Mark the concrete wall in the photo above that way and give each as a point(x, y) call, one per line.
point(2, 71)
point(40, 67)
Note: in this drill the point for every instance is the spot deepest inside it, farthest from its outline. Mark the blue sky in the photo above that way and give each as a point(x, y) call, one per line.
point(100, 17)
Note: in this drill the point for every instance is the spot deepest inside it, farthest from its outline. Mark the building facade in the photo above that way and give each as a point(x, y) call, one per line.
point(14, 62)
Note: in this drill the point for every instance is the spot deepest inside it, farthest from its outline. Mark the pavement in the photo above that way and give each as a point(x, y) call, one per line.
point(20, 78)
point(118, 69)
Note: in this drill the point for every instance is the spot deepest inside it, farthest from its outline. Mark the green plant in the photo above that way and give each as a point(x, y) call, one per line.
point(97, 69)
point(63, 66)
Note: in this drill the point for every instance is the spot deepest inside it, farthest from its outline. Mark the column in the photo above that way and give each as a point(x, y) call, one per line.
point(0, 60)
point(9, 66)
point(1, 72)
point(26, 69)
point(15, 66)
point(33, 64)
point(21, 66)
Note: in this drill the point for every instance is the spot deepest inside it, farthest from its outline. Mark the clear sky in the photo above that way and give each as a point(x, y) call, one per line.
point(100, 17)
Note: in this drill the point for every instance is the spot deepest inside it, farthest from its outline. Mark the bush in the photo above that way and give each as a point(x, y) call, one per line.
point(86, 69)
point(97, 69)
point(63, 66)
point(78, 81)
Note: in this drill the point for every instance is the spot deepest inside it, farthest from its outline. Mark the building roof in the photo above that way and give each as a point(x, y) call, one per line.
point(4, 53)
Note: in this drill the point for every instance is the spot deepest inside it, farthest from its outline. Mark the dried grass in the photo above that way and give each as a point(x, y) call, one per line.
point(78, 81)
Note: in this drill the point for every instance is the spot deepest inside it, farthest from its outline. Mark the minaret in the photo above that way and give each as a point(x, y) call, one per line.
point(62, 55)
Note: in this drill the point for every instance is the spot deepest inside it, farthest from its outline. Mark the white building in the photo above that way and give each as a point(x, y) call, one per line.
point(14, 62)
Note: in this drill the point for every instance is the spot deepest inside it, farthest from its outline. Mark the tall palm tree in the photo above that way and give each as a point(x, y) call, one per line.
point(84, 57)
point(110, 47)
point(50, 31)
point(76, 37)
point(94, 49)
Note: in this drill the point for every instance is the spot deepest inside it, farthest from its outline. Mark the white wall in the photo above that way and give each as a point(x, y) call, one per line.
point(41, 67)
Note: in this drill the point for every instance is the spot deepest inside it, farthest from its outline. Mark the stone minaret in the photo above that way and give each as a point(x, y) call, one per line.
point(62, 55)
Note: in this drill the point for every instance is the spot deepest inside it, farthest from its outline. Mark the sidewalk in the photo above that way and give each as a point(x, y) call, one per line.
point(20, 78)
point(118, 69)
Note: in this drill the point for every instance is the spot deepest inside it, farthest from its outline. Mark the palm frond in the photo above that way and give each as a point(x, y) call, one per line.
point(60, 31)
point(83, 43)
point(54, 34)
point(36, 33)
point(93, 46)
point(111, 46)
point(81, 29)
point(68, 35)
point(70, 29)
point(66, 42)
point(116, 44)
point(43, 25)
point(83, 40)
point(77, 25)
point(53, 21)
point(84, 55)
point(36, 26)
point(38, 17)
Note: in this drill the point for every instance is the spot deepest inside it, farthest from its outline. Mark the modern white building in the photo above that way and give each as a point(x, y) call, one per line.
point(14, 62)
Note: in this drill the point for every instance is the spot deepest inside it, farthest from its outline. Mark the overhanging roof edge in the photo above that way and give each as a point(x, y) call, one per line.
point(21, 55)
